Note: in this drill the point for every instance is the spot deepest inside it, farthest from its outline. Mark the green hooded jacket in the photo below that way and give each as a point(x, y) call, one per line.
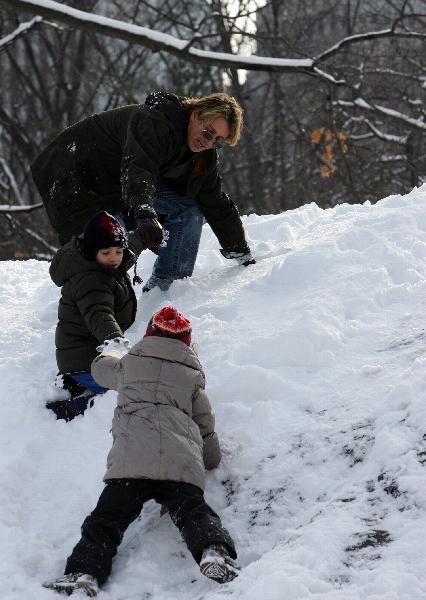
point(97, 303)
point(112, 160)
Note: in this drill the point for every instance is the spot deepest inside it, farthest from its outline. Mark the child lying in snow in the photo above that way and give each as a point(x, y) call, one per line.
point(164, 438)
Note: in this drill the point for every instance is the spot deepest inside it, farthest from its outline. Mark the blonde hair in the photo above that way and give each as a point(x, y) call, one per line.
point(219, 105)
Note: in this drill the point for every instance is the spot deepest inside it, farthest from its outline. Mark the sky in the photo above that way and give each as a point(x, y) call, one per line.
point(315, 367)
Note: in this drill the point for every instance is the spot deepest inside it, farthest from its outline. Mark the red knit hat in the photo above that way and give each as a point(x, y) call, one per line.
point(169, 322)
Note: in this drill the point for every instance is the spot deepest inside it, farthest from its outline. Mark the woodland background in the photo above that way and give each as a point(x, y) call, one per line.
point(352, 129)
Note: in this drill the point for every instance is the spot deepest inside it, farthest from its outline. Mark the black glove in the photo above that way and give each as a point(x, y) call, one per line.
point(243, 258)
point(148, 227)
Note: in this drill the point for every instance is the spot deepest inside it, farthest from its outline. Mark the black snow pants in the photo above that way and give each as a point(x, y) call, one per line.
point(121, 503)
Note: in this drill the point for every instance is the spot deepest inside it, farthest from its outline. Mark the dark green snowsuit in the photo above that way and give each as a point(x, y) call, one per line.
point(97, 303)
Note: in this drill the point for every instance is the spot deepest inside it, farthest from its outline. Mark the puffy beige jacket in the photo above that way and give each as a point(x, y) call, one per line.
point(163, 426)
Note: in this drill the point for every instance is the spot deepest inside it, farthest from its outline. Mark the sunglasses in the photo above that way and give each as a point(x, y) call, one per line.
point(209, 136)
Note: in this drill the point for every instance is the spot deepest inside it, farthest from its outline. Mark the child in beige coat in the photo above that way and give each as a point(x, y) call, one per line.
point(164, 438)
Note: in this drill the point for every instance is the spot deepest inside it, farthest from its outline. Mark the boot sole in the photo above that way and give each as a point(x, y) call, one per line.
point(68, 589)
point(219, 573)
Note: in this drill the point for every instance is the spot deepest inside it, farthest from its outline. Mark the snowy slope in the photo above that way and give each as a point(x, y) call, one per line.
point(315, 362)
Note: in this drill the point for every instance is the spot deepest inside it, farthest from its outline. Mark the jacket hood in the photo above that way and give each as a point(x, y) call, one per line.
point(69, 261)
point(171, 106)
point(167, 349)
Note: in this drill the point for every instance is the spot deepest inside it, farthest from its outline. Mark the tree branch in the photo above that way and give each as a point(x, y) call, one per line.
point(383, 110)
point(8, 208)
point(364, 37)
point(386, 137)
point(155, 40)
point(20, 30)
point(39, 239)
point(158, 41)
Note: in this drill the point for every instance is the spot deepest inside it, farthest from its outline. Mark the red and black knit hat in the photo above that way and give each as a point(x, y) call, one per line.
point(169, 322)
point(102, 231)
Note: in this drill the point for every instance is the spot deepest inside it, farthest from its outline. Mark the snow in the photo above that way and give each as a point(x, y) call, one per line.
point(315, 363)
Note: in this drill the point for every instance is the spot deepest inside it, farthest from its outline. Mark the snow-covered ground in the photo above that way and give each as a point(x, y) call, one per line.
point(315, 361)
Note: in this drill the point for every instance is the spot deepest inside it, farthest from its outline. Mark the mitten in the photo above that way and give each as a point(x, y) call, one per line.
point(211, 451)
point(243, 259)
point(148, 227)
point(117, 345)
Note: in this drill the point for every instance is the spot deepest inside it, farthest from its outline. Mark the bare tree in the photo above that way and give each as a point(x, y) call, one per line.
point(54, 76)
point(358, 136)
point(333, 98)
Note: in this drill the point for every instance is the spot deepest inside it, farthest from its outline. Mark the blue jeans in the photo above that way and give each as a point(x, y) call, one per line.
point(86, 380)
point(183, 220)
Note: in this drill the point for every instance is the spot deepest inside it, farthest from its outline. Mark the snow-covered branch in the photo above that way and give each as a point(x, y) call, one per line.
point(365, 37)
point(8, 208)
point(374, 131)
point(155, 40)
point(386, 137)
point(12, 181)
point(40, 239)
point(158, 41)
point(383, 110)
point(20, 30)
point(30, 232)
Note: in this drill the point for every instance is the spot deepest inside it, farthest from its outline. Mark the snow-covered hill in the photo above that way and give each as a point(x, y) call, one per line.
point(315, 360)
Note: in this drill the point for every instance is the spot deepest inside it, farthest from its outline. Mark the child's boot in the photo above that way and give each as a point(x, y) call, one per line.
point(74, 401)
point(67, 584)
point(69, 409)
point(217, 564)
